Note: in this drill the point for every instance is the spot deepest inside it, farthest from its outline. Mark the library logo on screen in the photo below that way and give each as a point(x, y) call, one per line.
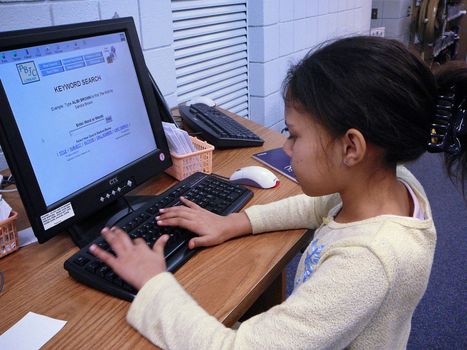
point(27, 72)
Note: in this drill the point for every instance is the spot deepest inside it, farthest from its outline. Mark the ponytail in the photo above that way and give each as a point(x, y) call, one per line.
point(451, 114)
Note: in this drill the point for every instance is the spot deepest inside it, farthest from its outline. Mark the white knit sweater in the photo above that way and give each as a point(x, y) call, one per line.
point(357, 285)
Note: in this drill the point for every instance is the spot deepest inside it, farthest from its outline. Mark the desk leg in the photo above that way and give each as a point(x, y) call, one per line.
point(275, 294)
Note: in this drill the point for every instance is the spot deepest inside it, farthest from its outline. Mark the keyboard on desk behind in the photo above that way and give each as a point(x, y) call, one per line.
point(208, 191)
point(217, 128)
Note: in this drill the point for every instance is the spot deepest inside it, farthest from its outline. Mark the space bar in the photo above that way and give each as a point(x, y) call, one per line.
point(172, 246)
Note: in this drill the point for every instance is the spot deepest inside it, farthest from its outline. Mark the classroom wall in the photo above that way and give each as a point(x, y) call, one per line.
point(281, 32)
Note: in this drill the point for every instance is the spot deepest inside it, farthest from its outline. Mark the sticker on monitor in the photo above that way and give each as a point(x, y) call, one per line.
point(57, 216)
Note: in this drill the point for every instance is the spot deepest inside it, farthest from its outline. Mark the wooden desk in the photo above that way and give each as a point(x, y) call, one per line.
point(225, 280)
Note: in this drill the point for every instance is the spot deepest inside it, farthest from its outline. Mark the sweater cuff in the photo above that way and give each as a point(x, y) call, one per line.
point(146, 295)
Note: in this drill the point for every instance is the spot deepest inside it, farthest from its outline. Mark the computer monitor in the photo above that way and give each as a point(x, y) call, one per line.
point(80, 124)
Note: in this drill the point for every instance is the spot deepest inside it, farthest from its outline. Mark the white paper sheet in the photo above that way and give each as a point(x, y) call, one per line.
point(31, 332)
point(26, 237)
point(5, 209)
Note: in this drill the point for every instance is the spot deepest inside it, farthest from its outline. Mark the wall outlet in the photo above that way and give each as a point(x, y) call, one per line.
point(377, 31)
point(374, 13)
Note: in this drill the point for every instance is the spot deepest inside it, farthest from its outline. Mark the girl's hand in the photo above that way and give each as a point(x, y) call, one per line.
point(212, 229)
point(134, 262)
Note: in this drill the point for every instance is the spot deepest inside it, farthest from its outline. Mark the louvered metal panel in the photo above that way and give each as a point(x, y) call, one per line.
point(210, 47)
point(189, 69)
point(180, 5)
point(210, 72)
point(208, 21)
point(213, 79)
point(225, 94)
point(209, 89)
point(208, 29)
point(210, 43)
point(202, 12)
point(226, 98)
point(210, 55)
point(208, 38)
point(234, 103)
point(240, 109)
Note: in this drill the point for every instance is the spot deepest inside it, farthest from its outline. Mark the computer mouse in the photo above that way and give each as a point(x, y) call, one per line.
point(201, 99)
point(255, 176)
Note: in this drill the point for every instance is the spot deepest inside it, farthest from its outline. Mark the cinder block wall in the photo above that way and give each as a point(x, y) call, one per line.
point(281, 32)
point(153, 19)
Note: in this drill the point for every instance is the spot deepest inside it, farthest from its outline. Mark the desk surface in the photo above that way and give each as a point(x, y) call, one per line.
point(225, 280)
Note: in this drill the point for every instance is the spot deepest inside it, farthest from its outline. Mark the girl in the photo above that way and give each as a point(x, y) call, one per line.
point(355, 109)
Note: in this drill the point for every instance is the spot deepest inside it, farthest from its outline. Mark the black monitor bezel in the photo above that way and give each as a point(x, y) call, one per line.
point(86, 200)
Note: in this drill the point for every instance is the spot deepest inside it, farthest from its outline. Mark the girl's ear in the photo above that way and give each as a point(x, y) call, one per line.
point(354, 147)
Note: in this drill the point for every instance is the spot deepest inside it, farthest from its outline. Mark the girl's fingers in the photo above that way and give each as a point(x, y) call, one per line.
point(106, 257)
point(189, 203)
point(179, 212)
point(179, 222)
point(117, 239)
point(160, 244)
point(140, 241)
point(201, 241)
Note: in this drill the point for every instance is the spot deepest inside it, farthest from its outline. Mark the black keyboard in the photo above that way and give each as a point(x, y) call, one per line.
point(217, 128)
point(208, 191)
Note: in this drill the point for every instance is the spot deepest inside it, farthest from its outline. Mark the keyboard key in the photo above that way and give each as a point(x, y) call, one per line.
point(92, 267)
point(81, 261)
point(118, 281)
point(109, 276)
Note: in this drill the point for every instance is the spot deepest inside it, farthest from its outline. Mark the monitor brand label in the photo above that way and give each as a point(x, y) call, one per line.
point(56, 216)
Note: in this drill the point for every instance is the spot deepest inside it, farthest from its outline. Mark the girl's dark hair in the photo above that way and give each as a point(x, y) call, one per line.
point(454, 74)
point(377, 86)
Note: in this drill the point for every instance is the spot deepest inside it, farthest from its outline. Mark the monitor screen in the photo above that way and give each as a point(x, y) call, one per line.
point(80, 125)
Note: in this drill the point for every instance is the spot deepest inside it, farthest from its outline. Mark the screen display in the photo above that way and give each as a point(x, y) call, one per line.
point(79, 108)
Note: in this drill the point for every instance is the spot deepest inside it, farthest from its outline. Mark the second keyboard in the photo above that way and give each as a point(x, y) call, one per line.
point(217, 128)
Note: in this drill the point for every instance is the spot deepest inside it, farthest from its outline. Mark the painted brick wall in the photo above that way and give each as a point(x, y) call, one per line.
point(153, 19)
point(281, 32)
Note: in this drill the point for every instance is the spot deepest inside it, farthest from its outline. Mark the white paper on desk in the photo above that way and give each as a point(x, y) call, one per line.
point(26, 237)
point(5, 209)
point(31, 332)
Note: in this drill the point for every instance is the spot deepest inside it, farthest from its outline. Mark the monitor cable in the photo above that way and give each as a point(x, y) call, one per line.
point(130, 208)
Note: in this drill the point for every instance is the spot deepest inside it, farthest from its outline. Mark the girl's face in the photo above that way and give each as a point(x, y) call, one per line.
point(315, 155)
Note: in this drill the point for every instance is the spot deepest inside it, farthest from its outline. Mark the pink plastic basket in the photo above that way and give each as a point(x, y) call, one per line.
point(187, 164)
point(8, 235)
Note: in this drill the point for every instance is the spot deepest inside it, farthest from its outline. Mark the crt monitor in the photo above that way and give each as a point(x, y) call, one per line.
point(80, 124)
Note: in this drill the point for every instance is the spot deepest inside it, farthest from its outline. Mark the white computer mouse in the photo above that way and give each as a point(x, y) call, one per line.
point(201, 99)
point(255, 176)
